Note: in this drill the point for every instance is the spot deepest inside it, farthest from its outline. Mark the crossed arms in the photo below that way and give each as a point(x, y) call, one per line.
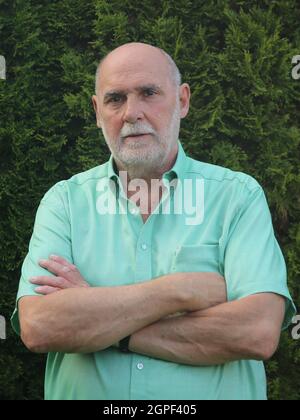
point(179, 317)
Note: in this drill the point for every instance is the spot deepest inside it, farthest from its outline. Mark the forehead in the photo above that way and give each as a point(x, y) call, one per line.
point(128, 70)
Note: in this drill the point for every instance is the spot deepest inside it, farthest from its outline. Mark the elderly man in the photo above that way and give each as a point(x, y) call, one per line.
point(131, 298)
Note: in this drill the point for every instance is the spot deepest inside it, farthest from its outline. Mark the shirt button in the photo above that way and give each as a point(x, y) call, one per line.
point(134, 211)
point(144, 247)
point(140, 366)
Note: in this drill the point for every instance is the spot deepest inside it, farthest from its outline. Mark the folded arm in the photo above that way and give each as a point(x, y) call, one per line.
point(244, 329)
point(80, 319)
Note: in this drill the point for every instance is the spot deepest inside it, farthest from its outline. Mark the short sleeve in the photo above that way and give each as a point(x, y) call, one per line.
point(253, 261)
point(51, 235)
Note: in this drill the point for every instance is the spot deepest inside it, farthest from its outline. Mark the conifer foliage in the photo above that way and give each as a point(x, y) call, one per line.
point(236, 55)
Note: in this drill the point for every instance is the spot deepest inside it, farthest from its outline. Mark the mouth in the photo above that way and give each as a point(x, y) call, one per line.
point(135, 136)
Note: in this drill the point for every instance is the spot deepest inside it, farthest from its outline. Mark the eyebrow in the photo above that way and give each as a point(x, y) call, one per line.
point(110, 94)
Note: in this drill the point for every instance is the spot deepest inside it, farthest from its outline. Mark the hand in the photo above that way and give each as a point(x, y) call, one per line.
point(199, 290)
point(66, 276)
point(205, 291)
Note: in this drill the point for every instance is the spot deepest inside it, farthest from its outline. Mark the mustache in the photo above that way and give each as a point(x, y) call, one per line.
point(136, 129)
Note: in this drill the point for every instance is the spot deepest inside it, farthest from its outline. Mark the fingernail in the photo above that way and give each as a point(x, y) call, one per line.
point(42, 261)
point(53, 256)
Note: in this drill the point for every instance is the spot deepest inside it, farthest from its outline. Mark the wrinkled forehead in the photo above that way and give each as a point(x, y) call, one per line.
point(127, 70)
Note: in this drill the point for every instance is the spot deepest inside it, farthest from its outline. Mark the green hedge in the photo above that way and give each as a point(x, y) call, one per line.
point(236, 55)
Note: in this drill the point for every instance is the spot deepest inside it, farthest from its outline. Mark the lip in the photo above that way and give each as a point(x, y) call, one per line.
point(136, 136)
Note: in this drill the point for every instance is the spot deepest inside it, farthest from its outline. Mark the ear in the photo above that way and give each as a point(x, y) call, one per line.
point(184, 97)
point(95, 101)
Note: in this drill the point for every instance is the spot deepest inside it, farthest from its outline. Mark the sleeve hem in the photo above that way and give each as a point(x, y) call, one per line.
point(14, 319)
point(290, 309)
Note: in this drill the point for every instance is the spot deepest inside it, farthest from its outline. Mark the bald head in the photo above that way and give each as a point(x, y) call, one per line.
point(134, 50)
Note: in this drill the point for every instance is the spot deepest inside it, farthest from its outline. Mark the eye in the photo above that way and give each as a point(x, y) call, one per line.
point(149, 92)
point(115, 99)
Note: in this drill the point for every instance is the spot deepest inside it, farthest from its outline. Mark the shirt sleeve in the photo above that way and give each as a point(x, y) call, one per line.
point(253, 261)
point(51, 235)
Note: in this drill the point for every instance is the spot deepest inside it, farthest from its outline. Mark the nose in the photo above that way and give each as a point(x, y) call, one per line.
point(133, 110)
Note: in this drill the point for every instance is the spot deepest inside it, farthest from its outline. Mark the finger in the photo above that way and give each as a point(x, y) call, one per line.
point(62, 261)
point(46, 290)
point(68, 269)
point(51, 266)
point(59, 282)
point(57, 268)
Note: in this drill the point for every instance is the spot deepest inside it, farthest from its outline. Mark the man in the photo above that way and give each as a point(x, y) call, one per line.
point(133, 302)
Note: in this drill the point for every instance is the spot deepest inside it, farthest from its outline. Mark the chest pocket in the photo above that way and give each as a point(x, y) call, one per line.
point(197, 258)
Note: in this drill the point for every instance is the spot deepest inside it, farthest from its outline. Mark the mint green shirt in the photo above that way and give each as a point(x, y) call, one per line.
point(233, 236)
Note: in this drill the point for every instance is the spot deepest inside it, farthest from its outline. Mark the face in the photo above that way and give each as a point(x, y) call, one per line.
point(139, 108)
